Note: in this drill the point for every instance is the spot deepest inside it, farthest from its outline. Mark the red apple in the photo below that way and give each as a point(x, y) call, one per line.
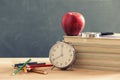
point(73, 23)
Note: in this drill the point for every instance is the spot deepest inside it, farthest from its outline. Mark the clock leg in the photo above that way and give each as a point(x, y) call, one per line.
point(70, 68)
point(53, 67)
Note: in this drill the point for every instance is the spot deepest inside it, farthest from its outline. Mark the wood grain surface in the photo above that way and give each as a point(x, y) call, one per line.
point(6, 70)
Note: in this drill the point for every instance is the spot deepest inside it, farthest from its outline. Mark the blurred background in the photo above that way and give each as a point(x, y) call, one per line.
point(28, 28)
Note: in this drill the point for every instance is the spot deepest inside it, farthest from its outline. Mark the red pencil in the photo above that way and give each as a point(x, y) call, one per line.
point(29, 67)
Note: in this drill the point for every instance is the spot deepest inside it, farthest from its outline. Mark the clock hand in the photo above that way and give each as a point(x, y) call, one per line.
point(57, 57)
point(61, 50)
point(60, 54)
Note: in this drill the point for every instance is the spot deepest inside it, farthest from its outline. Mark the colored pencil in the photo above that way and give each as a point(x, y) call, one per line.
point(20, 64)
point(30, 67)
point(20, 68)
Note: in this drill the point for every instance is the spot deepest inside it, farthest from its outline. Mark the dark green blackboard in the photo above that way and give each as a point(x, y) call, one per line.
point(28, 28)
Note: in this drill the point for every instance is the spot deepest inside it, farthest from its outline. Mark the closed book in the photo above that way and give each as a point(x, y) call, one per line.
point(98, 67)
point(99, 56)
point(96, 49)
point(101, 40)
point(95, 62)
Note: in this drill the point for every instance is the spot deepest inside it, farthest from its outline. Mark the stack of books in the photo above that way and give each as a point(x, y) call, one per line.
point(102, 53)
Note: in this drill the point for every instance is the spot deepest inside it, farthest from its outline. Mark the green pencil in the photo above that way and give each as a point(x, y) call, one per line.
point(21, 67)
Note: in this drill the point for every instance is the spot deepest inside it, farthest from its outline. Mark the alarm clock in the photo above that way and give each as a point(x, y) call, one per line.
point(62, 55)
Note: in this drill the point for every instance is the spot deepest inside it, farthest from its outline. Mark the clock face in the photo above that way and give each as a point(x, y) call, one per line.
point(62, 55)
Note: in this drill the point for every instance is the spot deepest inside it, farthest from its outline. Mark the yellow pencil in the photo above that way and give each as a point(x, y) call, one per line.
point(21, 67)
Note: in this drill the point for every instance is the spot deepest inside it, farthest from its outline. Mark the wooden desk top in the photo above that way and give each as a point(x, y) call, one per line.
point(6, 69)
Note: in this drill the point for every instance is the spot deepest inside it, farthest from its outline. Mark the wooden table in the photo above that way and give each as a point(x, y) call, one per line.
point(6, 69)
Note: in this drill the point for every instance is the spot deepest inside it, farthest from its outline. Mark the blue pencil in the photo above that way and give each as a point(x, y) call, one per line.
point(21, 67)
point(20, 64)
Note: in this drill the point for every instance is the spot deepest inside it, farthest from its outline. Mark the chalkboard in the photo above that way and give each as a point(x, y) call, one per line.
point(28, 28)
